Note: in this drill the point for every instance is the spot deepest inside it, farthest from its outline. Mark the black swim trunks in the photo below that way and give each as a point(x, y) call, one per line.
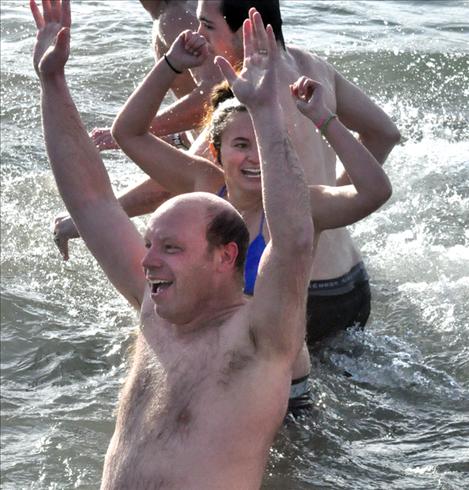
point(337, 304)
point(300, 402)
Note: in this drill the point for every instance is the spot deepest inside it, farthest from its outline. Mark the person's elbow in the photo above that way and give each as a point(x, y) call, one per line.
point(385, 191)
point(386, 135)
point(381, 194)
point(118, 131)
point(122, 131)
point(392, 135)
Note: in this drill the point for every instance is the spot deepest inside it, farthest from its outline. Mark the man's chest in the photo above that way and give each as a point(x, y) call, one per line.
point(172, 393)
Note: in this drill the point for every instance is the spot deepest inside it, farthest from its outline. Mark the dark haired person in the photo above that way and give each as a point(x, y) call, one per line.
point(339, 294)
point(210, 378)
point(191, 89)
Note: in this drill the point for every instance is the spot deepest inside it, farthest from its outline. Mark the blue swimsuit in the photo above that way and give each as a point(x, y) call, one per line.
point(253, 256)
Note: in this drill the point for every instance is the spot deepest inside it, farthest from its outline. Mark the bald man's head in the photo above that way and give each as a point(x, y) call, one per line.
point(223, 223)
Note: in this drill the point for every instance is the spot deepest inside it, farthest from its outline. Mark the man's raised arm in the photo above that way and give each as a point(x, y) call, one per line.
point(278, 306)
point(79, 172)
point(359, 113)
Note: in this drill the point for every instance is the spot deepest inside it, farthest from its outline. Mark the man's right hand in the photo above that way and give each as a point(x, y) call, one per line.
point(103, 139)
point(64, 230)
point(52, 46)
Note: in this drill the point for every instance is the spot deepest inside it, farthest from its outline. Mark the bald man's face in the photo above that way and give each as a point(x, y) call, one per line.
point(178, 266)
point(221, 40)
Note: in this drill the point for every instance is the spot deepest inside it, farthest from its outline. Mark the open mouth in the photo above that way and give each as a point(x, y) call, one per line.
point(159, 286)
point(252, 173)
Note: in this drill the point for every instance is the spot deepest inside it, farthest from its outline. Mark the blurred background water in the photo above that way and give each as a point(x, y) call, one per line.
point(392, 403)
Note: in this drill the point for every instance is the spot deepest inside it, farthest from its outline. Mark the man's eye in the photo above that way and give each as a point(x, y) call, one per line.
point(147, 244)
point(172, 248)
point(241, 145)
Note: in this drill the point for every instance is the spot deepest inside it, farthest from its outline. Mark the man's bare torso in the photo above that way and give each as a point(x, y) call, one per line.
point(176, 17)
point(335, 254)
point(196, 412)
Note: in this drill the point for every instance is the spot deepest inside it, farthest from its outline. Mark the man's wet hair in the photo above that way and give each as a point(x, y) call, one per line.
point(227, 226)
point(236, 11)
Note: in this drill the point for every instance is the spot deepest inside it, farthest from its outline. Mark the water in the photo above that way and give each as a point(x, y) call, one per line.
point(392, 403)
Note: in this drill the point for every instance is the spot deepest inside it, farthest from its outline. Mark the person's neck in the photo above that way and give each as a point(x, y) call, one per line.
point(245, 202)
point(214, 313)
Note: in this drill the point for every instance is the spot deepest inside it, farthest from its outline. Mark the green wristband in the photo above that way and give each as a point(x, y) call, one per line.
point(326, 124)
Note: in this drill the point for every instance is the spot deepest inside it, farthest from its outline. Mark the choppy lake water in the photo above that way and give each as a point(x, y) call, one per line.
point(392, 403)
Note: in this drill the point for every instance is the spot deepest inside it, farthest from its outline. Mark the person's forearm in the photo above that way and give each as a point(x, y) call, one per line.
point(183, 115)
point(380, 146)
point(359, 163)
point(136, 117)
point(285, 192)
point(143, 198)
point(71, 152)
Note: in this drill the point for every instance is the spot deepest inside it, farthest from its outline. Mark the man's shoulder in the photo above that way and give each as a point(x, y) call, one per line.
point(310, 64)
point(177, 17)
point(302, 55)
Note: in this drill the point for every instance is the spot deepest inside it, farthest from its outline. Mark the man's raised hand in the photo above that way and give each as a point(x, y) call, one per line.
point(256, 83)
point(52, 46)
point(187, 51)
point(310, 99)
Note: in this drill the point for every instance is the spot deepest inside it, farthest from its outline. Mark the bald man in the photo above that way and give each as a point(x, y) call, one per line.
point(210, 380)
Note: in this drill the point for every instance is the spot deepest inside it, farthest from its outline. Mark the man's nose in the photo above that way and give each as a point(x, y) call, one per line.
point(151, 260)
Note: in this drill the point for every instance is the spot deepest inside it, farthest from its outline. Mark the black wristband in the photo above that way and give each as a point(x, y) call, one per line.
point(171, 66)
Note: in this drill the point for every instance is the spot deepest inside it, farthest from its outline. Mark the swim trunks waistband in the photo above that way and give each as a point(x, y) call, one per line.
point(300, 402)
point(340, 285)
point(299, 387)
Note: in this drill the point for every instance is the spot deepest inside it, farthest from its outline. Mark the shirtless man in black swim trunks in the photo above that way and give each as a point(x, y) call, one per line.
point(339, 293)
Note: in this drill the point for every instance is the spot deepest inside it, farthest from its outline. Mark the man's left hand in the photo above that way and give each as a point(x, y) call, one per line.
point(52, 46)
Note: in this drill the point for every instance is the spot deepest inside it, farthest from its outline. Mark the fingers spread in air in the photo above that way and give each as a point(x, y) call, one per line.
point(66, 19)
point(63, 37)
point(47, 10)
point(272, 42)
point(226, 69)
point(55, 10)
point(261, 43)
point(248, 41)
point(38, 18)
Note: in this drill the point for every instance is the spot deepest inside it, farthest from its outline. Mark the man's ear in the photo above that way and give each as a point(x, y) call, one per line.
point(227, 255)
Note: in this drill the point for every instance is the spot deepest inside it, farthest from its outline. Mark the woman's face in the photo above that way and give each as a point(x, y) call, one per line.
point(239, 154)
